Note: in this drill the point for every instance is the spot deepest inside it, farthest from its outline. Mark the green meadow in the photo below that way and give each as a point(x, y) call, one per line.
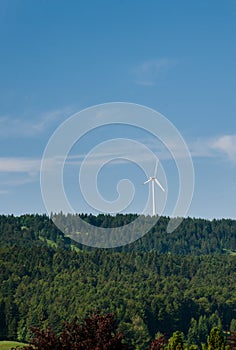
point(7, 345)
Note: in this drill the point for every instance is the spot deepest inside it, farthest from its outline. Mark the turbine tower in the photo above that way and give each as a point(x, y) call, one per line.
point(154, 180)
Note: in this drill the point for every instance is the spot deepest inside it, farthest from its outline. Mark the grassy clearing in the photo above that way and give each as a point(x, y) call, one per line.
point(49, 242)
point(7, 345)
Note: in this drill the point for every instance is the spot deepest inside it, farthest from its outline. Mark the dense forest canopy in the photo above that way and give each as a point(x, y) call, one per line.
point(162, 283)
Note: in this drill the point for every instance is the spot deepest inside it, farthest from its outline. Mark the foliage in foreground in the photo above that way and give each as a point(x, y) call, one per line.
point(100, 332)
point(95, 332)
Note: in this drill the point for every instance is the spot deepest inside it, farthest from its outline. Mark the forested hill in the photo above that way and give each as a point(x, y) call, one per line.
point(193, 236)
point(162, 283)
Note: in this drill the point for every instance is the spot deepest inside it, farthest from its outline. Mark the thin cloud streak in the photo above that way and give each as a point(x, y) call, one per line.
point(201, 148)
point(20, 127)
point(214, 147)
point(18, 181)
point(19, 165)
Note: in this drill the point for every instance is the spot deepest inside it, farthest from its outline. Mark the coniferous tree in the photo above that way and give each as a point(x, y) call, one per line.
point(216, 340)
point(176, 342)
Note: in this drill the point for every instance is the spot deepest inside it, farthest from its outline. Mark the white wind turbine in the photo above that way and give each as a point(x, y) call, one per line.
point(154, 180)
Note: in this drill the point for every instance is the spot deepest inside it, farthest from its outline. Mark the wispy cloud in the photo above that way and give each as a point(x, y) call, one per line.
point(226, 144)
point(206, 148)
point(32, 125)
point(19, 165)
point(19, 180)
point(16, 172)
point(148, 72)
point(202, 148)
point(221, 147)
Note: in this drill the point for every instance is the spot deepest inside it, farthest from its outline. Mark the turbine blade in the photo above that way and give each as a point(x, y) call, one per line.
point(147, 181)
point(158, 183)
point(155, 171)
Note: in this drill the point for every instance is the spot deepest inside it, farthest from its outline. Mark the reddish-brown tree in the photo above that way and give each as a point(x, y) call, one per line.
point(231, 340)
point(159, 343)
point(96, 332)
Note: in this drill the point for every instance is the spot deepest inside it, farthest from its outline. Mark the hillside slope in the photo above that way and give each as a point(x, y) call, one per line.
point(186, 284)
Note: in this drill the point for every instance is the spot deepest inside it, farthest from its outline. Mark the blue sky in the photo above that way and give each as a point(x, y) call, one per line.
point(177, 57)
